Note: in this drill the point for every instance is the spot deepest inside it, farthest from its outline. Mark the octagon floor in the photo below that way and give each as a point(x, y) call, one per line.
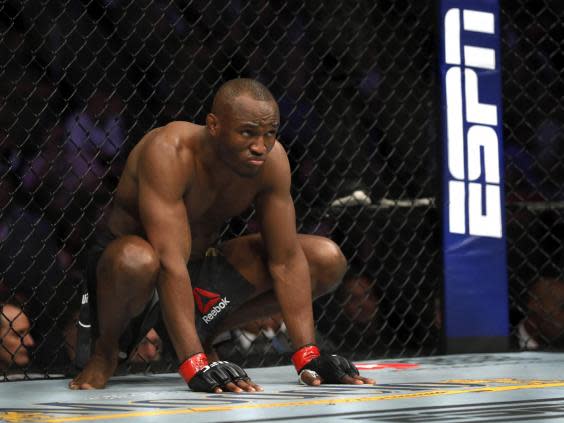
point(512, 387)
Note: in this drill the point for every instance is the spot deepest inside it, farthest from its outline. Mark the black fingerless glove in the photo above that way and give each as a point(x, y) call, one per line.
point(203, 377)
point(331, 368)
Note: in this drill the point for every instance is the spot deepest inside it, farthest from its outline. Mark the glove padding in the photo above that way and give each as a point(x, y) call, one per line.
point(217, 374)
point(331, 368)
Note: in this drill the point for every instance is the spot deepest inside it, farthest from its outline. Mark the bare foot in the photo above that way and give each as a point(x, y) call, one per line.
point(98, 370)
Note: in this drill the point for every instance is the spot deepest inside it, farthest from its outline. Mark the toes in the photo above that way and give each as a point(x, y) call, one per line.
point(74, 384)
point(80, 386)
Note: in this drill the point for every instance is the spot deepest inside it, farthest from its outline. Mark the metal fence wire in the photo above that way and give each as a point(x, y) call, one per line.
point(83, 80)
point(533, 75)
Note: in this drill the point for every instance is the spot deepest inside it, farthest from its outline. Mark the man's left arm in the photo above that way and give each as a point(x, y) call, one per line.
point(286, 260)
point(289, 270)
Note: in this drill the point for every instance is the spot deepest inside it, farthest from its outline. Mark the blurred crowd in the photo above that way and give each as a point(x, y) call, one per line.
point(533, 77)
point(356, 85)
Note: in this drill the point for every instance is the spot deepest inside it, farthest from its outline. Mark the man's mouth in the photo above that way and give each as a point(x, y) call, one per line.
point(256, 162)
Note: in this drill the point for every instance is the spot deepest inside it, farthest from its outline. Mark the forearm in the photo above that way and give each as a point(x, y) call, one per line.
point(292, 285)
point(177, 307)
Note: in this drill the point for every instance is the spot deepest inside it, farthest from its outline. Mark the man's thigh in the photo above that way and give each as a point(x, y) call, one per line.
point(248, 256)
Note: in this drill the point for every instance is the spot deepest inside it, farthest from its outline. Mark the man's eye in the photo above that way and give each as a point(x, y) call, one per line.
point(246, 133)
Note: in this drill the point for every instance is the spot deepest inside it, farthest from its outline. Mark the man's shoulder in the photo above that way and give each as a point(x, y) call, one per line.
point(181, 133)
point(168, 151)
point(279, 157)
point(177, 138)
point(182, 128)
point(277, 167)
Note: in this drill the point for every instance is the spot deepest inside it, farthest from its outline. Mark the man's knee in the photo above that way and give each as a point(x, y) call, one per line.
point(329, 266)
point(131, 259)
point(128, 270)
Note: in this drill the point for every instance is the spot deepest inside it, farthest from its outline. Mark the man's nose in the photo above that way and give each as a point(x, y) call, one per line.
point(152, 351)
point(28, 341)
point(258, 147)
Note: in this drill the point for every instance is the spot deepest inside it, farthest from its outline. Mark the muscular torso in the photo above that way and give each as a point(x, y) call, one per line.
point(209, 202)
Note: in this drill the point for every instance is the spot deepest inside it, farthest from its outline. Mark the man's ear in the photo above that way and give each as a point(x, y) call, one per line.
point(212, 123)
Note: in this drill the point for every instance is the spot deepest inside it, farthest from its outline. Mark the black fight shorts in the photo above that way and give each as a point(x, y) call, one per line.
point(217, 287)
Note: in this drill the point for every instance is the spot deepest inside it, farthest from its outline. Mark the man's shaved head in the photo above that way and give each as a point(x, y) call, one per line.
point(237, 87)
point(242, 125)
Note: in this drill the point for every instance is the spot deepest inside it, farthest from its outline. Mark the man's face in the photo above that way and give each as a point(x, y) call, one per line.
point(14, 337)
point(361, 304)
point(546, 306)
point(148, 349)
point(246, 133)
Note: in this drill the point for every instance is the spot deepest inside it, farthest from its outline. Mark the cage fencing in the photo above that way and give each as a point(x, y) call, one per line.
point(533, 75)
point(83, 80)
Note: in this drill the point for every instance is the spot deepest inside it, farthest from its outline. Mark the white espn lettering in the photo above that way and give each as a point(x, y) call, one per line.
point(480, 140)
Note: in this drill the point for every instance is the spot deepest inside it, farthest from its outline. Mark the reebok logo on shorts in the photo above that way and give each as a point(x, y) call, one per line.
point(205, 300)
point(209, 303)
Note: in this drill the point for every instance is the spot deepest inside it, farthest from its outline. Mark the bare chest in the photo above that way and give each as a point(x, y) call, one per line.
point(208, 208)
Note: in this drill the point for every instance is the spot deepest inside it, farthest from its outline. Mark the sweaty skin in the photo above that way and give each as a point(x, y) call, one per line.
point(180, 184)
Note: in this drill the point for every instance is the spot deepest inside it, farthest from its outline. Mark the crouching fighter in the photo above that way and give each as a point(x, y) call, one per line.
point(160, 259)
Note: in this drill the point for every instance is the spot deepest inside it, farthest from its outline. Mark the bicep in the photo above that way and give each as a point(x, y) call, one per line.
point(161, 205)
point(165, 223)
point(278, 225)
point(277, 216)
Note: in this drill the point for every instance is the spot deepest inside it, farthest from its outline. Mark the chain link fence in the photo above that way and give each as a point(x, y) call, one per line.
point(533, 74)
point(83, 80)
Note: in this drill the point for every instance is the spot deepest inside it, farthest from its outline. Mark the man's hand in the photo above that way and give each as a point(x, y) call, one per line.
point(217, 377)
point(314, 368)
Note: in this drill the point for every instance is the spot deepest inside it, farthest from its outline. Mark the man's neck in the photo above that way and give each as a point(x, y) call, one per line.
point(219, 173)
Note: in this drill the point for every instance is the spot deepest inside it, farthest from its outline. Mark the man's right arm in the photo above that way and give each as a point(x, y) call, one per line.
point(163, 176)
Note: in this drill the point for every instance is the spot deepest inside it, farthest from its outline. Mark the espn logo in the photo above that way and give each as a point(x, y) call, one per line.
point(472, 126)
